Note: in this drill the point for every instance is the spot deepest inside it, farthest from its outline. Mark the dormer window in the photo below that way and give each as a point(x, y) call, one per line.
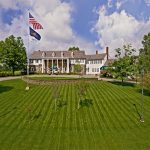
point(62, 54)
point(72, 54)
point(53, 54)
point(43, 54)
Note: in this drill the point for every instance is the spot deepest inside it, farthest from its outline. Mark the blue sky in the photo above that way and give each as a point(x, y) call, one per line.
point(90, 25)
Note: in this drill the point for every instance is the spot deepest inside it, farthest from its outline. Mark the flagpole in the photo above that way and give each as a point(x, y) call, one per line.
point(27, 87)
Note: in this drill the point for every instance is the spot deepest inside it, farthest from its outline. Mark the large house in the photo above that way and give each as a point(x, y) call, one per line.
point(64, 61)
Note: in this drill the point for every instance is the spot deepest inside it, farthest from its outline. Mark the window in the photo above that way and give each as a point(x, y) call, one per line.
point(36, 61)
point(32, 68)
point(31, 60)
point(99, 61)
point(87, 69)
point(77, 61)
point(43, 54)
point(97, 69)
point(92, 69)
point(82, 60)
point(53, 54)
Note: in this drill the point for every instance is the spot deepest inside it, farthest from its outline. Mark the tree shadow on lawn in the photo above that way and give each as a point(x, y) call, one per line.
point(146, 92)
point(139, 115)
point(5, 88)
point(123, 84)
point(86, 102)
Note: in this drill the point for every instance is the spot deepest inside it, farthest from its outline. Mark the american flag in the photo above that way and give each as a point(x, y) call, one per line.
point(35, 24)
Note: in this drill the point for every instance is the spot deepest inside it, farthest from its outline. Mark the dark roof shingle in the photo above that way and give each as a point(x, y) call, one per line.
point(66, 54)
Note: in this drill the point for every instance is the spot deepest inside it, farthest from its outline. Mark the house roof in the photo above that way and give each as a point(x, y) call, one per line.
point(65, 54)
point(96, 56)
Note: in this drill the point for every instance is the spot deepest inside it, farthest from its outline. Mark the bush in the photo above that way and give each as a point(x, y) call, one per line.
point(9, 73)
point(147, 80)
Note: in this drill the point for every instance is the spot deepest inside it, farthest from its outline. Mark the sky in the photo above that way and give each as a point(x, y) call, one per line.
point(88, 24)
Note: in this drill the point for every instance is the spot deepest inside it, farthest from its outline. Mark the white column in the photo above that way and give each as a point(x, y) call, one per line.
point(68, 65)
point(52, 66)
point(42, 66)
point(62, 67)
point(57, 63)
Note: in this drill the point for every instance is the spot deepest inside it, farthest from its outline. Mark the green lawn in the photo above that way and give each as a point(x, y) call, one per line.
point(60, 78)
point(28, 119)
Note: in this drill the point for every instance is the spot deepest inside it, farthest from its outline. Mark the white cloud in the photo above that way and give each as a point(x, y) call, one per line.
point(110, 4)
point(15, 4)
point(147, 2)
point(118, 4)
point(55, 17)
point(117, 29)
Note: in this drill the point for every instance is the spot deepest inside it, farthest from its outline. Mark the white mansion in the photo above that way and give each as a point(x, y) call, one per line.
point(64, 61)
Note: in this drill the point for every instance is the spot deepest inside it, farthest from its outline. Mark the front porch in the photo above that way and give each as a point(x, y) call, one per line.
point(49, 65)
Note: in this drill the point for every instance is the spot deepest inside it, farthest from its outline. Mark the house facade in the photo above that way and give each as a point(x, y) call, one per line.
point(65, 61)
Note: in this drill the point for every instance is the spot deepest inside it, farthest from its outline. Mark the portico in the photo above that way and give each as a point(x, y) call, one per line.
point(62, 64)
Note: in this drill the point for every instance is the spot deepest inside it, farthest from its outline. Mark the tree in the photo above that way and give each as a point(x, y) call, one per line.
point(124, 64)
point(73, 49)
point(145, 53)
point(82, 91)
point(147, 80)
point(56, 95)
point(77, 68)
point(13, 53)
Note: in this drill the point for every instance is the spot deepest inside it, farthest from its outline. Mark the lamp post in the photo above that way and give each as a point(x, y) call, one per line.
point(142, 97)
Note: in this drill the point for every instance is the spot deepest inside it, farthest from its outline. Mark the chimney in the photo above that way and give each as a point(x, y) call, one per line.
point(96, 52)
point(107, 52)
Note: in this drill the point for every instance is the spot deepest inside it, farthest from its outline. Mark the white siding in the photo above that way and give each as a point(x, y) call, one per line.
point(93, 67)
point(77, 61)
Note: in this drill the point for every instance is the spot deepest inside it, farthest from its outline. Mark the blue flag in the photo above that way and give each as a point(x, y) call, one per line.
point(34, 34)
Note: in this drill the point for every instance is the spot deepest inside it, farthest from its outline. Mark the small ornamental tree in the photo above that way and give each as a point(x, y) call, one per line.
point(82, 91)
point(56, 95)
point(124, 63)
point(77, 68)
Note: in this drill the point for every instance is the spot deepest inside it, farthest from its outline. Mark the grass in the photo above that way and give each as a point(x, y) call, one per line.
point(60, 78)
point(28, 119)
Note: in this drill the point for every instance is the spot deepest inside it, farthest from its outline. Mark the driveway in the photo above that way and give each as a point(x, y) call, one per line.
point(9, 78)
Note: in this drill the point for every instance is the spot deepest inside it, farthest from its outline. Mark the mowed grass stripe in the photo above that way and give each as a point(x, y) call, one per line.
point(60, 128)
point(8, 99)
point(115, 103)
point(100, 105)
point(102, 130)
point(104, 105)
point(74, 116)
point(98, 126)
point(54, 123)
point(12, 121)
point(112, 103)
point(16, 123)
point(28, 107)
point(136, 99)
point(126, 106)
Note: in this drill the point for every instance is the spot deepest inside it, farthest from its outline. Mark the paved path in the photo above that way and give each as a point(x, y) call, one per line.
point(9, 78)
